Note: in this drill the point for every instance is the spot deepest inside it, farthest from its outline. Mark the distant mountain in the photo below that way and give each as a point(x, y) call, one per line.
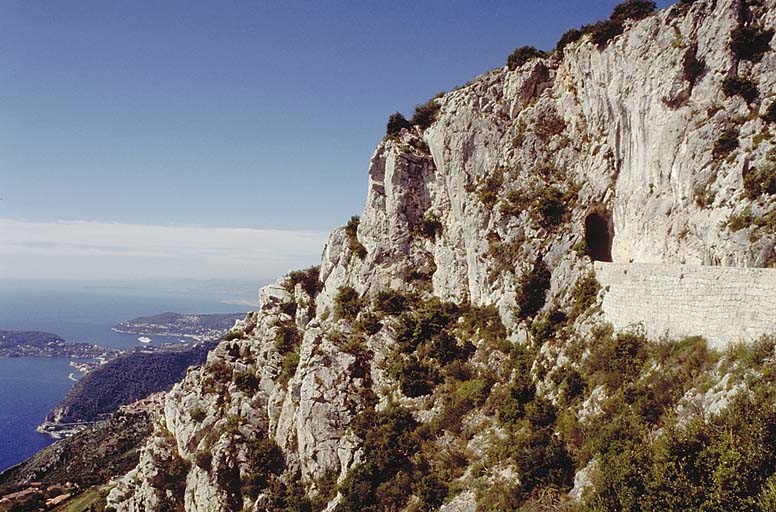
point(200, 327)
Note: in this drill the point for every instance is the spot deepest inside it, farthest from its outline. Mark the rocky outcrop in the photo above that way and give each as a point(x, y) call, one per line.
point(497, 188)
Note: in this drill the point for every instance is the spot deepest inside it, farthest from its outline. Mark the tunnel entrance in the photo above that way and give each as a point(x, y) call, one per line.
point(598, 237)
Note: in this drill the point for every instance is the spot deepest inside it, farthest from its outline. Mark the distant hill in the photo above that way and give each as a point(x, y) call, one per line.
point(123, 380)
point(200, 327)
point(44, 344)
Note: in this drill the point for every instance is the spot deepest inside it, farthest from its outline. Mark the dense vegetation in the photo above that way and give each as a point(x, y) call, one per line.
point(126, 379)
point(604, 31)
point(522, 55)
point(644, 455)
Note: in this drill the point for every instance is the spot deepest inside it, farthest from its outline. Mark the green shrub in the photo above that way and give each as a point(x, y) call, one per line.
point(431, 491)
point(203, 459)
point(351, 230)
point(429, 320)
point(483, 322)
point(687, 359)
point(504, 254)
point(368, 323)
point(760, 181)
point(516, 203)
point(288, 367)
point(383, 480)
point(752, 355)
point(358, 348)
point(532, 289)
point(548, 325)
point(429, 227)
point(347, 303)
point(740, 86)
point(246, 381)
point(220, 371)
point(703, 195)
point(584, 294)
point(522, 55)
point(723, 463)
point(415, 377)
point(425, 115)
point(616, 360)
point(742, 220)
point(550, 205)
point(287, 337)
point(396, 123)
point(490, 187)
point(459, 399)
point(569, 37)
point(445, 348)
point(233, 334)
point(750, 42)
point(572, 386)
point(391, 302)
point(308, 278)
point(604, 31)
point(726, 143)
point(510, 407)
point(539, 455)
point(265, 462)
point(500, 495)
point(327, 490)
point(633, 10)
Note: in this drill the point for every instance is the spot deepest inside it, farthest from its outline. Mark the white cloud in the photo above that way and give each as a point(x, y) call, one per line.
point(104, 250)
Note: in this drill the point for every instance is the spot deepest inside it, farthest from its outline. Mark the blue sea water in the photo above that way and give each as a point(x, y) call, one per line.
point(31, 387)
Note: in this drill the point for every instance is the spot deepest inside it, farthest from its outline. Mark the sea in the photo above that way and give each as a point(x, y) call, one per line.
point(31, 387)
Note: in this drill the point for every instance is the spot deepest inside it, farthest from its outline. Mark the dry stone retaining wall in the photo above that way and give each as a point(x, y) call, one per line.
point(722, 304)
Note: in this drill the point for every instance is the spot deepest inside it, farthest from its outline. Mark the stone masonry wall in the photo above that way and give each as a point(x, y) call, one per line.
point(722, 304)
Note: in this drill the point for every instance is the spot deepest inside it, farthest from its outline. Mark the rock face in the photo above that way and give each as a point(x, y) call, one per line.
point(606, 150)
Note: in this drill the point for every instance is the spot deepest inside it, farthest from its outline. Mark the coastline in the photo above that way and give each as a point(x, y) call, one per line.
point(195, 337)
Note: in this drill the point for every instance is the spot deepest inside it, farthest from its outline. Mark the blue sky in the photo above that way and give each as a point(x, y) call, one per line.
point(229, 114)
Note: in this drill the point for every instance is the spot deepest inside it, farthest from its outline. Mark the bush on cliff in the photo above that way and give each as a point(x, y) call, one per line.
point(633, 10)
point(347, 303)
point(532, 290)
point(351, 231)
point(426, 114)
point(570, 36)
point(396, 123)
point(308, 278)
point(522, 55)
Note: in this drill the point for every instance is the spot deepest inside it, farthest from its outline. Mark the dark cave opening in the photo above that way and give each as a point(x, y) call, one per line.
point(598, 237)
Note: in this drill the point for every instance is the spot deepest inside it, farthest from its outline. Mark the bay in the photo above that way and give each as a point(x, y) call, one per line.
point(31, 387)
